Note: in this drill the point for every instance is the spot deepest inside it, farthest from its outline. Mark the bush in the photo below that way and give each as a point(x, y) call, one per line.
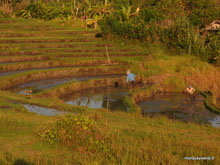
point(212, 45)
point(40, 11)
point(77, 132)
point(128, 29)
point(149, 14)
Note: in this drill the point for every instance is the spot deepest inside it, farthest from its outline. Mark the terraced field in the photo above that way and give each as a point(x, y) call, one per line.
point(54, 68)
point(38, 52)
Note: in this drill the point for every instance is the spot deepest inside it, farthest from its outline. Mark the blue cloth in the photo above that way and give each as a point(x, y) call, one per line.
point(130, 77)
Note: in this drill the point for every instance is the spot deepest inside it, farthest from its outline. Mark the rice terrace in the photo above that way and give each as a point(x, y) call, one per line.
point(109, 82)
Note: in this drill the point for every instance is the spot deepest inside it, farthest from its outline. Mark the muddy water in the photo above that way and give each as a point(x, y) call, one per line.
point(40, 85)
point(42, 110)
point(109, 98)
point(180, 107)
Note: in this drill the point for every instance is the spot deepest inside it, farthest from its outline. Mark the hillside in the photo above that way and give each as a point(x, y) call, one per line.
point(33, 50)
point(59, 59)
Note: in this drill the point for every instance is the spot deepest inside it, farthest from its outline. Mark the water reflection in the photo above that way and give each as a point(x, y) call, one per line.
point(109, 98)
point(181, 107)
point(42, 110)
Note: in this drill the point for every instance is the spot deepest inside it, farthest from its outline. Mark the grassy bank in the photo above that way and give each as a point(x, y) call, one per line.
point(68, 88)
point(16, 79)
point(128, 139)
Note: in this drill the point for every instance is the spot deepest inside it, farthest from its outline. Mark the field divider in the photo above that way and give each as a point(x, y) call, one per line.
point(52, 64)
point(11, 59)
point(77, 86)
point(210, 102)
point(37, 40)
point(70, 52)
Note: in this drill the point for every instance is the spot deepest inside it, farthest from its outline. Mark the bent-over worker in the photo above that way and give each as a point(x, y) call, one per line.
point(130, 78)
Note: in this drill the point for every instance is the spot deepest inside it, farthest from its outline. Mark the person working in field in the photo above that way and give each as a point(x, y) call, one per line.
point(190, 90)
point(130, 78)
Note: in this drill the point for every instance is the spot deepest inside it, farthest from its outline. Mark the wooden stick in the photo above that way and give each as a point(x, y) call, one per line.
point(107, 54)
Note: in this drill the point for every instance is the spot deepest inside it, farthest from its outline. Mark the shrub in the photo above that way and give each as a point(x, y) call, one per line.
point(212, 45)
point(75, 131)
point(39, 10)
point(148, 14)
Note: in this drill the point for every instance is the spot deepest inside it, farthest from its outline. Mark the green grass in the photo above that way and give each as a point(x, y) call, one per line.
point(130, 139)
point(122, 138)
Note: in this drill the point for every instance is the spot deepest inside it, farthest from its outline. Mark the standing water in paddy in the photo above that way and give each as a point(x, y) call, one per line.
point(181, 107)
point(110, 98)
point(40, 85)
point(42, 110)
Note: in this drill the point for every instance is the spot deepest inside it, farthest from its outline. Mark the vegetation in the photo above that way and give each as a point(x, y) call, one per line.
point(210, 102)
point(175, 25)
point(158, 40)
point(122, 133)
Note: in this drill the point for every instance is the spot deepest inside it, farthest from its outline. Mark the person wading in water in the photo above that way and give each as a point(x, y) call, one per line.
point(190, 90)
point(130, 78)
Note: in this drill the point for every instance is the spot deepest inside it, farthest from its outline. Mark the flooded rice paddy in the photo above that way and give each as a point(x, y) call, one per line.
point(40, 85)
point(180, 107)
point(2, 74)
point(175, 106)
point(109, 98)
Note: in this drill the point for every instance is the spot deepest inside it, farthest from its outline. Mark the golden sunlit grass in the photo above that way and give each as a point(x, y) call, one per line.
point(123, 138)
point(129, 137)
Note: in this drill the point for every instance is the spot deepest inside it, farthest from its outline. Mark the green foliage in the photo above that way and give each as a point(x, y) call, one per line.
point(212, 45)
point(77, 132)
point(133, 29)
point(210, 102)
point(149, 14)
point(163, 22)
point(152, 70)
point(40, 10)
point(202, 12)
point(173, 23)
point(119, 3)
point(2, 160)
point(133, 107)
